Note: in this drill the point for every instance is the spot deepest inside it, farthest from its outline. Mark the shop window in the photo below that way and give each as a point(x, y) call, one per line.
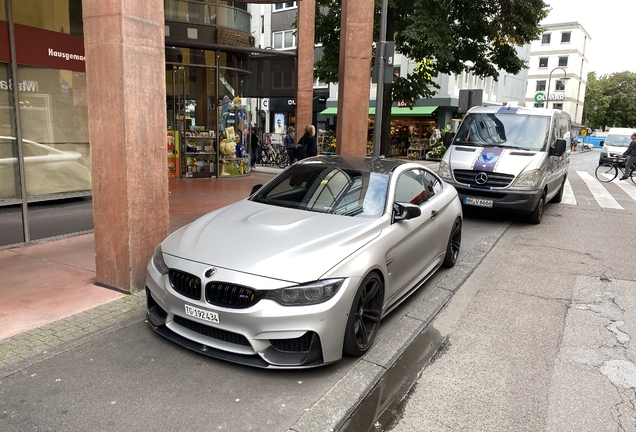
point(543, 62)
point(285, 40)
point(545, 38)
point(58, 16)
point(540, 85)
point(565, 37)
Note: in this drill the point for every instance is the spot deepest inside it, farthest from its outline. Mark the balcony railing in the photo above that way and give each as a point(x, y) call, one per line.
point(206, 13)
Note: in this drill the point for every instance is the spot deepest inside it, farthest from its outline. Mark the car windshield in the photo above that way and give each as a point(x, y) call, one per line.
point(504, 130)
point(327, 189)
point(618, 140)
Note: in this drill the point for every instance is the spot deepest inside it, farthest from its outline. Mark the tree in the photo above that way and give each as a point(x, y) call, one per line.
point(610, 101)
point(442, 36)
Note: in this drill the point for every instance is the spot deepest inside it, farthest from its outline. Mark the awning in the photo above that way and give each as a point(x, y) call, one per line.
point(395, 111)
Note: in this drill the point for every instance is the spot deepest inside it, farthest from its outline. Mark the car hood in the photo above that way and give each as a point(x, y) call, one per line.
point(275, 242)
point(492, 159)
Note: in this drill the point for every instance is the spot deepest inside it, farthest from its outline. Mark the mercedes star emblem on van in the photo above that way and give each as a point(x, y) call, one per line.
point(481, 178)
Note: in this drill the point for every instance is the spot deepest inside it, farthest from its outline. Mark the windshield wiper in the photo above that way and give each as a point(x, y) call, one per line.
point(468, 143)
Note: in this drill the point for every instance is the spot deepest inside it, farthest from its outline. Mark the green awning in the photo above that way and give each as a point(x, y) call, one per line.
point(395, 111)
point(416, 111)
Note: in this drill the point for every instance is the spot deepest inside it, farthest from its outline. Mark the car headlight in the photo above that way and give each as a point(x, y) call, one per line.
point(444, 170)
point(158, 262)
point(306, 294)
point(528, 179)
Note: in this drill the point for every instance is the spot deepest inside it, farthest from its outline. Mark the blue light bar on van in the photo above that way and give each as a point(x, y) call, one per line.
point(508, 110)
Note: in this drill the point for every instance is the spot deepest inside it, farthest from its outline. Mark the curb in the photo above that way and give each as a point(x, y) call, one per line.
point(333, 410)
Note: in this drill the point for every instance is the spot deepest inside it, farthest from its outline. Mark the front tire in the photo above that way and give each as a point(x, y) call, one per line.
point(364, 317)
point(454, 243)
point(605, 173)
point(537, 215)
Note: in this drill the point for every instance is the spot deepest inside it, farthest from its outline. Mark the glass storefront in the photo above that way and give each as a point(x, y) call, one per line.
point(208, 119)
point(45, 180)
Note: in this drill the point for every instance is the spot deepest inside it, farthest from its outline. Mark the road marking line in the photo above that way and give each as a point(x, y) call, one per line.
point(626, 185)
point(568, 194)
point(601, 195)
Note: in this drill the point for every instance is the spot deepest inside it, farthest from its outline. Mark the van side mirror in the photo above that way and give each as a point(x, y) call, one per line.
point(602, 143)
point(559, 148)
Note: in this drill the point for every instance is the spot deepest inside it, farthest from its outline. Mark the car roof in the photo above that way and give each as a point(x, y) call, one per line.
point(514, 110)
point(359, 163)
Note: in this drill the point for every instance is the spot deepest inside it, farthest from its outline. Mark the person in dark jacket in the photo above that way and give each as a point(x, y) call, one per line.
point(290, 143)
point(630, 153)
point(308, 142)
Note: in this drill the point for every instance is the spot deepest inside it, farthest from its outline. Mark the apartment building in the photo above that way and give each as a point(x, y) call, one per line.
point(557, 76)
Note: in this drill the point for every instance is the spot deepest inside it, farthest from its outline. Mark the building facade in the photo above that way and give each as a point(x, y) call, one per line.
point(560, 53)
point(212, 69)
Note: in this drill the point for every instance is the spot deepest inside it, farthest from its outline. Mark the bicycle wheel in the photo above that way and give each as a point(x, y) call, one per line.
point(282, 159)
point(632, 176)
point(606, 173)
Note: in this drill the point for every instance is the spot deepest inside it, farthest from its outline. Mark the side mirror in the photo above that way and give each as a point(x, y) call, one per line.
point(405, 211)
point(602, 143)
point(255, 188)
point(559, 148)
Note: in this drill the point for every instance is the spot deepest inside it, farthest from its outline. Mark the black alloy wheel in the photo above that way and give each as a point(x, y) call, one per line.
point(454, 244)
point(364, 317)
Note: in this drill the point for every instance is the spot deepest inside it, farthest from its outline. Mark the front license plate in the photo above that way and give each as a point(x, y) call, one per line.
point(478, 202)
point(212, 317)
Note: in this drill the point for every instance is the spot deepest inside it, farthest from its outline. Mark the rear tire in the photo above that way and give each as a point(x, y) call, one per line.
point(605, 173)
point(364, 317)
point(559, 196)
point(537, 215)
point(454, 243)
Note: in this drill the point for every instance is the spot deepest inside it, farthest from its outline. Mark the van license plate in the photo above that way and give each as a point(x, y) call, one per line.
point(478, 202)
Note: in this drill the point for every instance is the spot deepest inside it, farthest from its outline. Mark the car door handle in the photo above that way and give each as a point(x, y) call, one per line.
point(433, 213)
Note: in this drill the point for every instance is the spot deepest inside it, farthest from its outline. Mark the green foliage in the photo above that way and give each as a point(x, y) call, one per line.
point(610, 101)
point(443, 36)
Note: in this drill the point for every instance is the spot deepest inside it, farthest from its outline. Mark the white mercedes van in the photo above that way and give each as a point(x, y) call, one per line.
point(615, 144)
point(509, 158)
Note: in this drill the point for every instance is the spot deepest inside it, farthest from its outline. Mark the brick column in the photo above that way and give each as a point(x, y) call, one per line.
point(354, 77)
point(125, 74)
point(305, 64)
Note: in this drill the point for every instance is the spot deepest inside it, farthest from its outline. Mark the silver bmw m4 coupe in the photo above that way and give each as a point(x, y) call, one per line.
point(301, 272)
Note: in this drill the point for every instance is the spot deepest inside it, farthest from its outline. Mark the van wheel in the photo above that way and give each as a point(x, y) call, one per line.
point(536, 216)
point(559, 196)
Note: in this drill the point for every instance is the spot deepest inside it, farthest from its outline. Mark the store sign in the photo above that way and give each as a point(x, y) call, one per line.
point(291, 102)
point(45, 48)
point(541, 97)
point(265, 104)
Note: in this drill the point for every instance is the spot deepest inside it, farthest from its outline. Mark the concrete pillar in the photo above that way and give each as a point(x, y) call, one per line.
point(354, 77)
point(125, 74)
point(305, 39)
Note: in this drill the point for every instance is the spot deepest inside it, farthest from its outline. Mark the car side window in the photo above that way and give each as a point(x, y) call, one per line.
point(416, 187)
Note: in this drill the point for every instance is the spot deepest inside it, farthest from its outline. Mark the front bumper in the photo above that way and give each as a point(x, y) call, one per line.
point(266, 334)
point(515, 201)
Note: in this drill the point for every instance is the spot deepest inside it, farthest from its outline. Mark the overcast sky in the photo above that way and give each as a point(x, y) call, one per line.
point(610, 24)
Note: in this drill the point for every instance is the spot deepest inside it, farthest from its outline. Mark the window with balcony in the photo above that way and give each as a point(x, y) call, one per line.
point(284, 40)
point(285, 5)
point(541, 85)
point(543, 62)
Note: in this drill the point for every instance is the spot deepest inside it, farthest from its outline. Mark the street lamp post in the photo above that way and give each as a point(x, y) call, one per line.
point(565, 78)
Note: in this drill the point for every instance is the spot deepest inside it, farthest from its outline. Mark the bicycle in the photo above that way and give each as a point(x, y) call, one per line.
point(274, 154)
point(607, 172)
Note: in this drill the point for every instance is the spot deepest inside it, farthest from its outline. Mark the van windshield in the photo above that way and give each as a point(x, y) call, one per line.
point(504, 130)
point(618, 140)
